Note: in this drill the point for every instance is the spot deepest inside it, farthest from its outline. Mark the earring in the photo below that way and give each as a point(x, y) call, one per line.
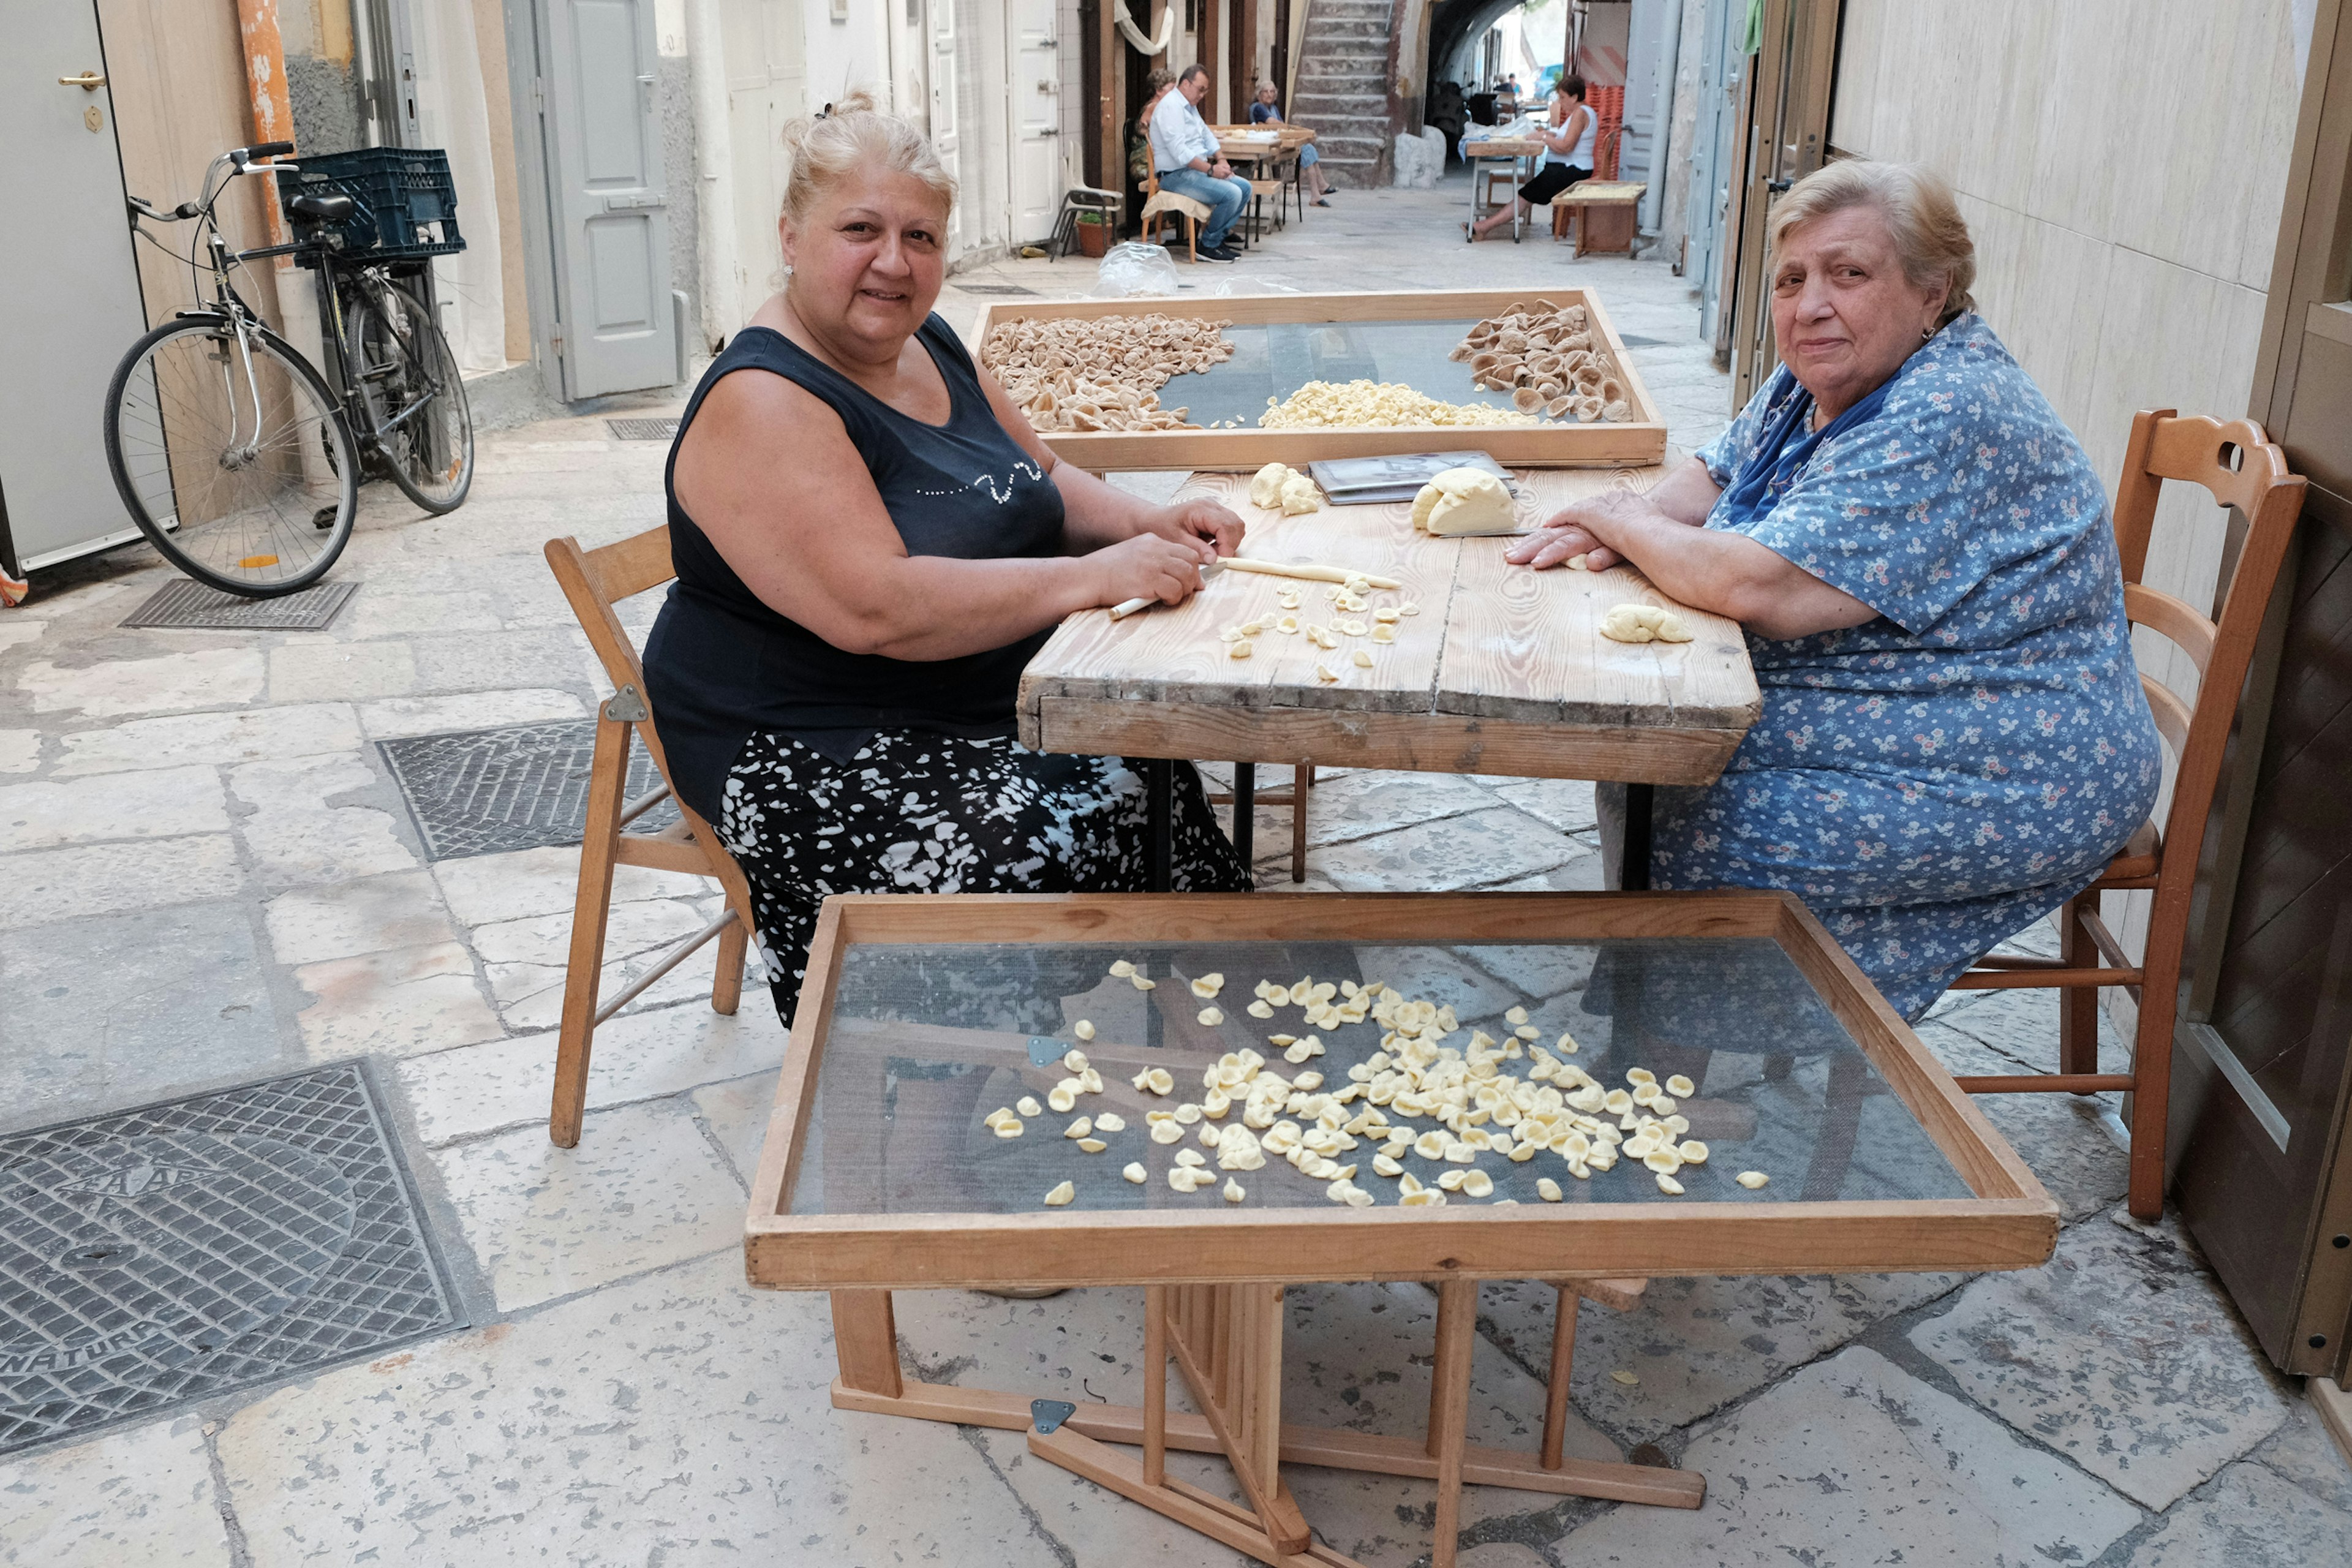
point(1926, 333)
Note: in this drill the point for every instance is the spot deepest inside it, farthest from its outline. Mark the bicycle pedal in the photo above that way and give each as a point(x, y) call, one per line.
point(324, 518)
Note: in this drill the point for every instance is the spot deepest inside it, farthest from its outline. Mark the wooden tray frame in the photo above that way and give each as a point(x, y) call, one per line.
point(2008, 1222)
point(1639, 442)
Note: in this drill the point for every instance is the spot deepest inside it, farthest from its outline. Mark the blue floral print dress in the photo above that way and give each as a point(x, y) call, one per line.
point(1934, 780)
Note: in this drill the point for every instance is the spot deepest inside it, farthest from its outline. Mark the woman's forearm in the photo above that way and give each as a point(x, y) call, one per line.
point(927, 607)
point(1096, 513)
point(1730, 575)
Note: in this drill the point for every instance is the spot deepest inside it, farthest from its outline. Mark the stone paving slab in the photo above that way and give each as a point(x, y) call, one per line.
point(1853, 1461)
point(141, 1497)
point(644, 1188)
point(2121, 1353)
point(212, 739)
point(675, 1418)
point(506, 1083)
point(2247, 1514)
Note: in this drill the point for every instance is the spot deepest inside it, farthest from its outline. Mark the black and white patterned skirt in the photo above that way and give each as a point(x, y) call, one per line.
point(918, 813)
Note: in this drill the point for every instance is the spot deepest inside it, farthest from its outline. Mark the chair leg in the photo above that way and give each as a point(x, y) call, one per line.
point(2151, 1093)
point(591, 906)
point(727, 990)
point(2078, 1005)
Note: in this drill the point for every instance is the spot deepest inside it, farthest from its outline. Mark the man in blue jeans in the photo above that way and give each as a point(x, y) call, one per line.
point(1185, 157)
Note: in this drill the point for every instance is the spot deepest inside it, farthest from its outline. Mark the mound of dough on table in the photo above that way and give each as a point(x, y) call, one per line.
point(1460, 502)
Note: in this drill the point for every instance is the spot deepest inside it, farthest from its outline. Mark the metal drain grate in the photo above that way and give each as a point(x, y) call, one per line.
point(191, 603)
point(993, 288)
point(153, 1257)
point(643, 429)
point(522, 787)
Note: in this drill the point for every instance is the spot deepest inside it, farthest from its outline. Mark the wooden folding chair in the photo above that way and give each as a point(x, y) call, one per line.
point(595, 581)
point(2194, 450)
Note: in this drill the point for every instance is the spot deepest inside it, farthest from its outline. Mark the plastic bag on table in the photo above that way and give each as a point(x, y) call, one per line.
point(1131, 269)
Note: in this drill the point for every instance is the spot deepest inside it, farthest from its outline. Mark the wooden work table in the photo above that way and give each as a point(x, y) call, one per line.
point(1504, 670)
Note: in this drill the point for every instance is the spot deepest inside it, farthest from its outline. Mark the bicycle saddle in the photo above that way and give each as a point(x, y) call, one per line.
point(327, 209)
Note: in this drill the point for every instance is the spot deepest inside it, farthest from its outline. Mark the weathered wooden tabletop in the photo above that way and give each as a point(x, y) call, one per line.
point(1504, 670)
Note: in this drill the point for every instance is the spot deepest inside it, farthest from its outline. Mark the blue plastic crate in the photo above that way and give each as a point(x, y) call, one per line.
point(407, 202)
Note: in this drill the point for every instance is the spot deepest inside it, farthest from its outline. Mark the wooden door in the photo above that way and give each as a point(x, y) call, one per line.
point(67, 259)
point(2262, 1082)
point(1788, 137)
point(601, 140)
point(1032, 123)
point(766, 89)
point(946, 120)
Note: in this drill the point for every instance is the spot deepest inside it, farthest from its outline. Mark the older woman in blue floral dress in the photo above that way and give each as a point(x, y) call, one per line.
point(1954, 741)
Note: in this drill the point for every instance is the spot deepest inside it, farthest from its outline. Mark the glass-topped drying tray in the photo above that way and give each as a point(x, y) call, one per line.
point(1282, 340)
point(923, 1017)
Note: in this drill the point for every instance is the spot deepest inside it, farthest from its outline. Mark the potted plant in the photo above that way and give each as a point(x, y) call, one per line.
point(1093, 237)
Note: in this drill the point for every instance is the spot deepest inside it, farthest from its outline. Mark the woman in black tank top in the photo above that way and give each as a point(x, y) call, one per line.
point(870, 543)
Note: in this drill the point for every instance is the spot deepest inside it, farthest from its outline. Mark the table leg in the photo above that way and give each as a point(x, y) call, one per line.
point(1155, 1385)
point(1563, 1357)
point(1633, 865)
point(1159, 824)
point(1449, 1409)
point(1244, 810)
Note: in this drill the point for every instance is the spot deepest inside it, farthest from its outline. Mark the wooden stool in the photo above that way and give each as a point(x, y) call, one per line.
point(595, 581)
point(1613, 197)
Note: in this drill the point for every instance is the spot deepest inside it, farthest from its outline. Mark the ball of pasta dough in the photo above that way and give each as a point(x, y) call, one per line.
point(1644, 622)
point(1464, 501)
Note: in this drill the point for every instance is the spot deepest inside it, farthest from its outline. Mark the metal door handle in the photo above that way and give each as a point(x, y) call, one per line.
point(88, 82)
point(647, 79)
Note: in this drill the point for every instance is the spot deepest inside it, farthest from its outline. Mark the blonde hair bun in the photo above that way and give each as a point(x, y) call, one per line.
point(852, 135)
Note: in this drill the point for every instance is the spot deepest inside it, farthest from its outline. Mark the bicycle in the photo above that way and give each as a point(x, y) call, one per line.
point(238, 459)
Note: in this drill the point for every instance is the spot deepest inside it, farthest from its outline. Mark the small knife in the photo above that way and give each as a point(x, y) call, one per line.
point(1120, 612)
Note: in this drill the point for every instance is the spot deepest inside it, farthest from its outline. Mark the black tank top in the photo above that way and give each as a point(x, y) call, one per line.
point(720, 664)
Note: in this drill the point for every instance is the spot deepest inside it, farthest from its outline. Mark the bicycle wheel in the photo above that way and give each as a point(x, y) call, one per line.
point(404, 372)
point(233, 460)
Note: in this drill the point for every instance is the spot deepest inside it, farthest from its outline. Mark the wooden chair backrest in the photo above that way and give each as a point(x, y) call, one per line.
point(2200, 450)
point(594, 581)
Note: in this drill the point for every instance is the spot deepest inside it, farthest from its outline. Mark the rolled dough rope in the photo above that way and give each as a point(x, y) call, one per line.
point(1311, 573)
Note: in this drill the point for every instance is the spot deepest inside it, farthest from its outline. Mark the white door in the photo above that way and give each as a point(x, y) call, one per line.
point(945, 121)
point(766, 86)
point(67, 258)
point(604, 183)
point(1033, 124)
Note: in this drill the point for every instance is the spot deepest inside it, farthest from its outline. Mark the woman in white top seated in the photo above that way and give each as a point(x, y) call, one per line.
point(1568, 158)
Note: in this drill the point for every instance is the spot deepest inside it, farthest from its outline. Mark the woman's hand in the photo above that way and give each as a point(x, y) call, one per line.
point(1149, 566)
point(1200, 519)
point(1581, 528)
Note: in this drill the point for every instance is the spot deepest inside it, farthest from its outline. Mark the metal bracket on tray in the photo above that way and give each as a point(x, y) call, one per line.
point(1049, 1415)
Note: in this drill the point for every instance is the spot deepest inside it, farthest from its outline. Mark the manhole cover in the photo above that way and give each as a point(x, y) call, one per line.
point(189, 603)
point(643, 429)
point(192, 1248)
point(993, 288)
point(521, 787)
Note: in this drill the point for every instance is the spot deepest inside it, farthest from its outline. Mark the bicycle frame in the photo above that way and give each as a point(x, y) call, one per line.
point(331, 286)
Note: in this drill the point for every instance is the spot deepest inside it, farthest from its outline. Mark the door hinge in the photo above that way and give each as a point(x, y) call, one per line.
point(555, 338)
point(539, 94)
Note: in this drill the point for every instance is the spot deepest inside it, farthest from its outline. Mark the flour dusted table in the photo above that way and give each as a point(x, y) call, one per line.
point(1504, 670)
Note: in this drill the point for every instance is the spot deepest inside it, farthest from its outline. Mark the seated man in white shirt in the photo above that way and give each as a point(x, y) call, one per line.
point(1185, 157)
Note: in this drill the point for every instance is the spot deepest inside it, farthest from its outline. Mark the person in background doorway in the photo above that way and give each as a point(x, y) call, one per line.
point(1265, 112)
point(1568, 158)
point(1185, 155)
point(1139, 140)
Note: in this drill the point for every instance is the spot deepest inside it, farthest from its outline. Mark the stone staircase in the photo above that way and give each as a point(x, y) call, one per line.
point(1342, 89)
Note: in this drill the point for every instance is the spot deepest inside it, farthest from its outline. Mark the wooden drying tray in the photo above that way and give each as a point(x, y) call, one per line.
point(1213, 1274)
point(2007, 1223)
point(1640, 441)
